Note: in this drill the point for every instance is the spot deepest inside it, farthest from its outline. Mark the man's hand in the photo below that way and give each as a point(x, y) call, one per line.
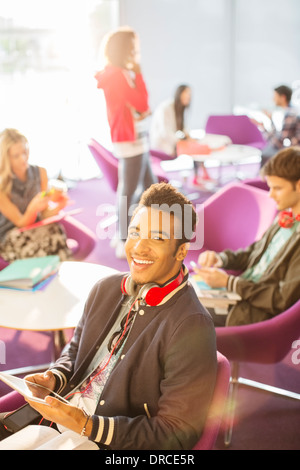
point(40, 384)
point(45, 379)
point(64, 414)
point(214, 277)
point(209, 259)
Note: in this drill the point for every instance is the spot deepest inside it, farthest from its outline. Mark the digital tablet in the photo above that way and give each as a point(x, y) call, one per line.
point(29, 390)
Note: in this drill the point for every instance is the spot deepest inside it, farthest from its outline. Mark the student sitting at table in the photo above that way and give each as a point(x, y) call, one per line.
point(285, 134)
point(23, 201)
point(270, 279)
point(140, 370)
point(168, 121)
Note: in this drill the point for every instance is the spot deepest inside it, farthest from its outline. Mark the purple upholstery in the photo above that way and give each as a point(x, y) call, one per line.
point(161, 155)
point(11, 402)
point(257, 182)
point(215, 413)
point(3, 263)
point(239, 128)
point(234, 217)
point(158, 171)
point(267, 342)
point(81, 239)
point(108, 164)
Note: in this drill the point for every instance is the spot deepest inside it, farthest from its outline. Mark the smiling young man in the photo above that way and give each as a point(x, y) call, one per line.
point(142, 362)
point(157, 241)
point(270, 279)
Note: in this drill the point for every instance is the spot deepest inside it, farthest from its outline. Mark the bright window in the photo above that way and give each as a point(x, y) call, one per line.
point(49, 52)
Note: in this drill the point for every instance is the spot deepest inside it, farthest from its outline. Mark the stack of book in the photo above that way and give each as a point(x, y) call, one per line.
point(213, 298)
point(30, 273)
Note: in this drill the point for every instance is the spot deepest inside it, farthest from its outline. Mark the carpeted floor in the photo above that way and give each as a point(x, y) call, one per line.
point(262, 421)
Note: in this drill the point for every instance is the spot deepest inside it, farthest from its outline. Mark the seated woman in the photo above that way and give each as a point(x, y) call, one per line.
point(168, 121)
point(168, 126)
point(25, 199)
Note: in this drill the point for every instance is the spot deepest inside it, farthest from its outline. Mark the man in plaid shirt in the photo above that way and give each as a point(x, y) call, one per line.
point(289, 134)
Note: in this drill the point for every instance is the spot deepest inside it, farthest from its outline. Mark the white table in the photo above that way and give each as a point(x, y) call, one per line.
point(214, 141)
point(233, 154)
point(57, 307)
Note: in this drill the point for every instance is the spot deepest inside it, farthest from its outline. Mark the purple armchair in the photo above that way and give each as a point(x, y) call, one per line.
point(161, 155)
point(240, 129)
point(233, 218)
point(108, 164)
point(267, 342)
point(11, 401)
point(217, 406)
point(80, 239)
point(257, 182)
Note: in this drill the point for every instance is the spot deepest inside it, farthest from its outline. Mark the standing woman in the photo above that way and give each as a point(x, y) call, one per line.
point(168, 121)
point(127, 106)
point(24, 201)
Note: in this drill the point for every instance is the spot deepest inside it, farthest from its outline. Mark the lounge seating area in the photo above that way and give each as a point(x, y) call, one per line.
point(219, 152)
point(259, 416)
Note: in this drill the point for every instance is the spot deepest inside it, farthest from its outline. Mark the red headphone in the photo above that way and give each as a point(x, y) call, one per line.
point(151, 293)
point(287, 219)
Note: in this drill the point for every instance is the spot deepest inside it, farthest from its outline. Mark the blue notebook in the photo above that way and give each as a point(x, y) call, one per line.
point(202, 284)
point(27, 273)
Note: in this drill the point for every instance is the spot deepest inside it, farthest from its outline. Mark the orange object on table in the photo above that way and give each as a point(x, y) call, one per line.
point(192, 147)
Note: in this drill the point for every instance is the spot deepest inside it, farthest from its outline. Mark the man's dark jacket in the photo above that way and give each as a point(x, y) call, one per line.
point(159, 391)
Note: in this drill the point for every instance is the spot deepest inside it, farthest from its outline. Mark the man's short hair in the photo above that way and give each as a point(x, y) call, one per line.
point(165, 197)
point(285, 164)
point(284, 90)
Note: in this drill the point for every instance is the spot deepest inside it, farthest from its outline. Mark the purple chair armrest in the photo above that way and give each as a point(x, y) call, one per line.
point(3, 263)
point(85, 238)
point(11, 402)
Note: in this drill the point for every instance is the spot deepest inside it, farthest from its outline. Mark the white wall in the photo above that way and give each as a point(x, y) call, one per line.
point(267, 48)
point(231, 52)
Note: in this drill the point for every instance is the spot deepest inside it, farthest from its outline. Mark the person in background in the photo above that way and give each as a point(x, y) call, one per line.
point(269, 282)
point(288, 133)
point(24, 199)
point(141, 368)
point(168, 126)
point(127, 107)
point(168, 121)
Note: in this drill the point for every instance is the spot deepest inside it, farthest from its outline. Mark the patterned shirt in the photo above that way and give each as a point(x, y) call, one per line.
point(290, 132)
point(281, 237)
point(21, 194)
point(89, 392)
